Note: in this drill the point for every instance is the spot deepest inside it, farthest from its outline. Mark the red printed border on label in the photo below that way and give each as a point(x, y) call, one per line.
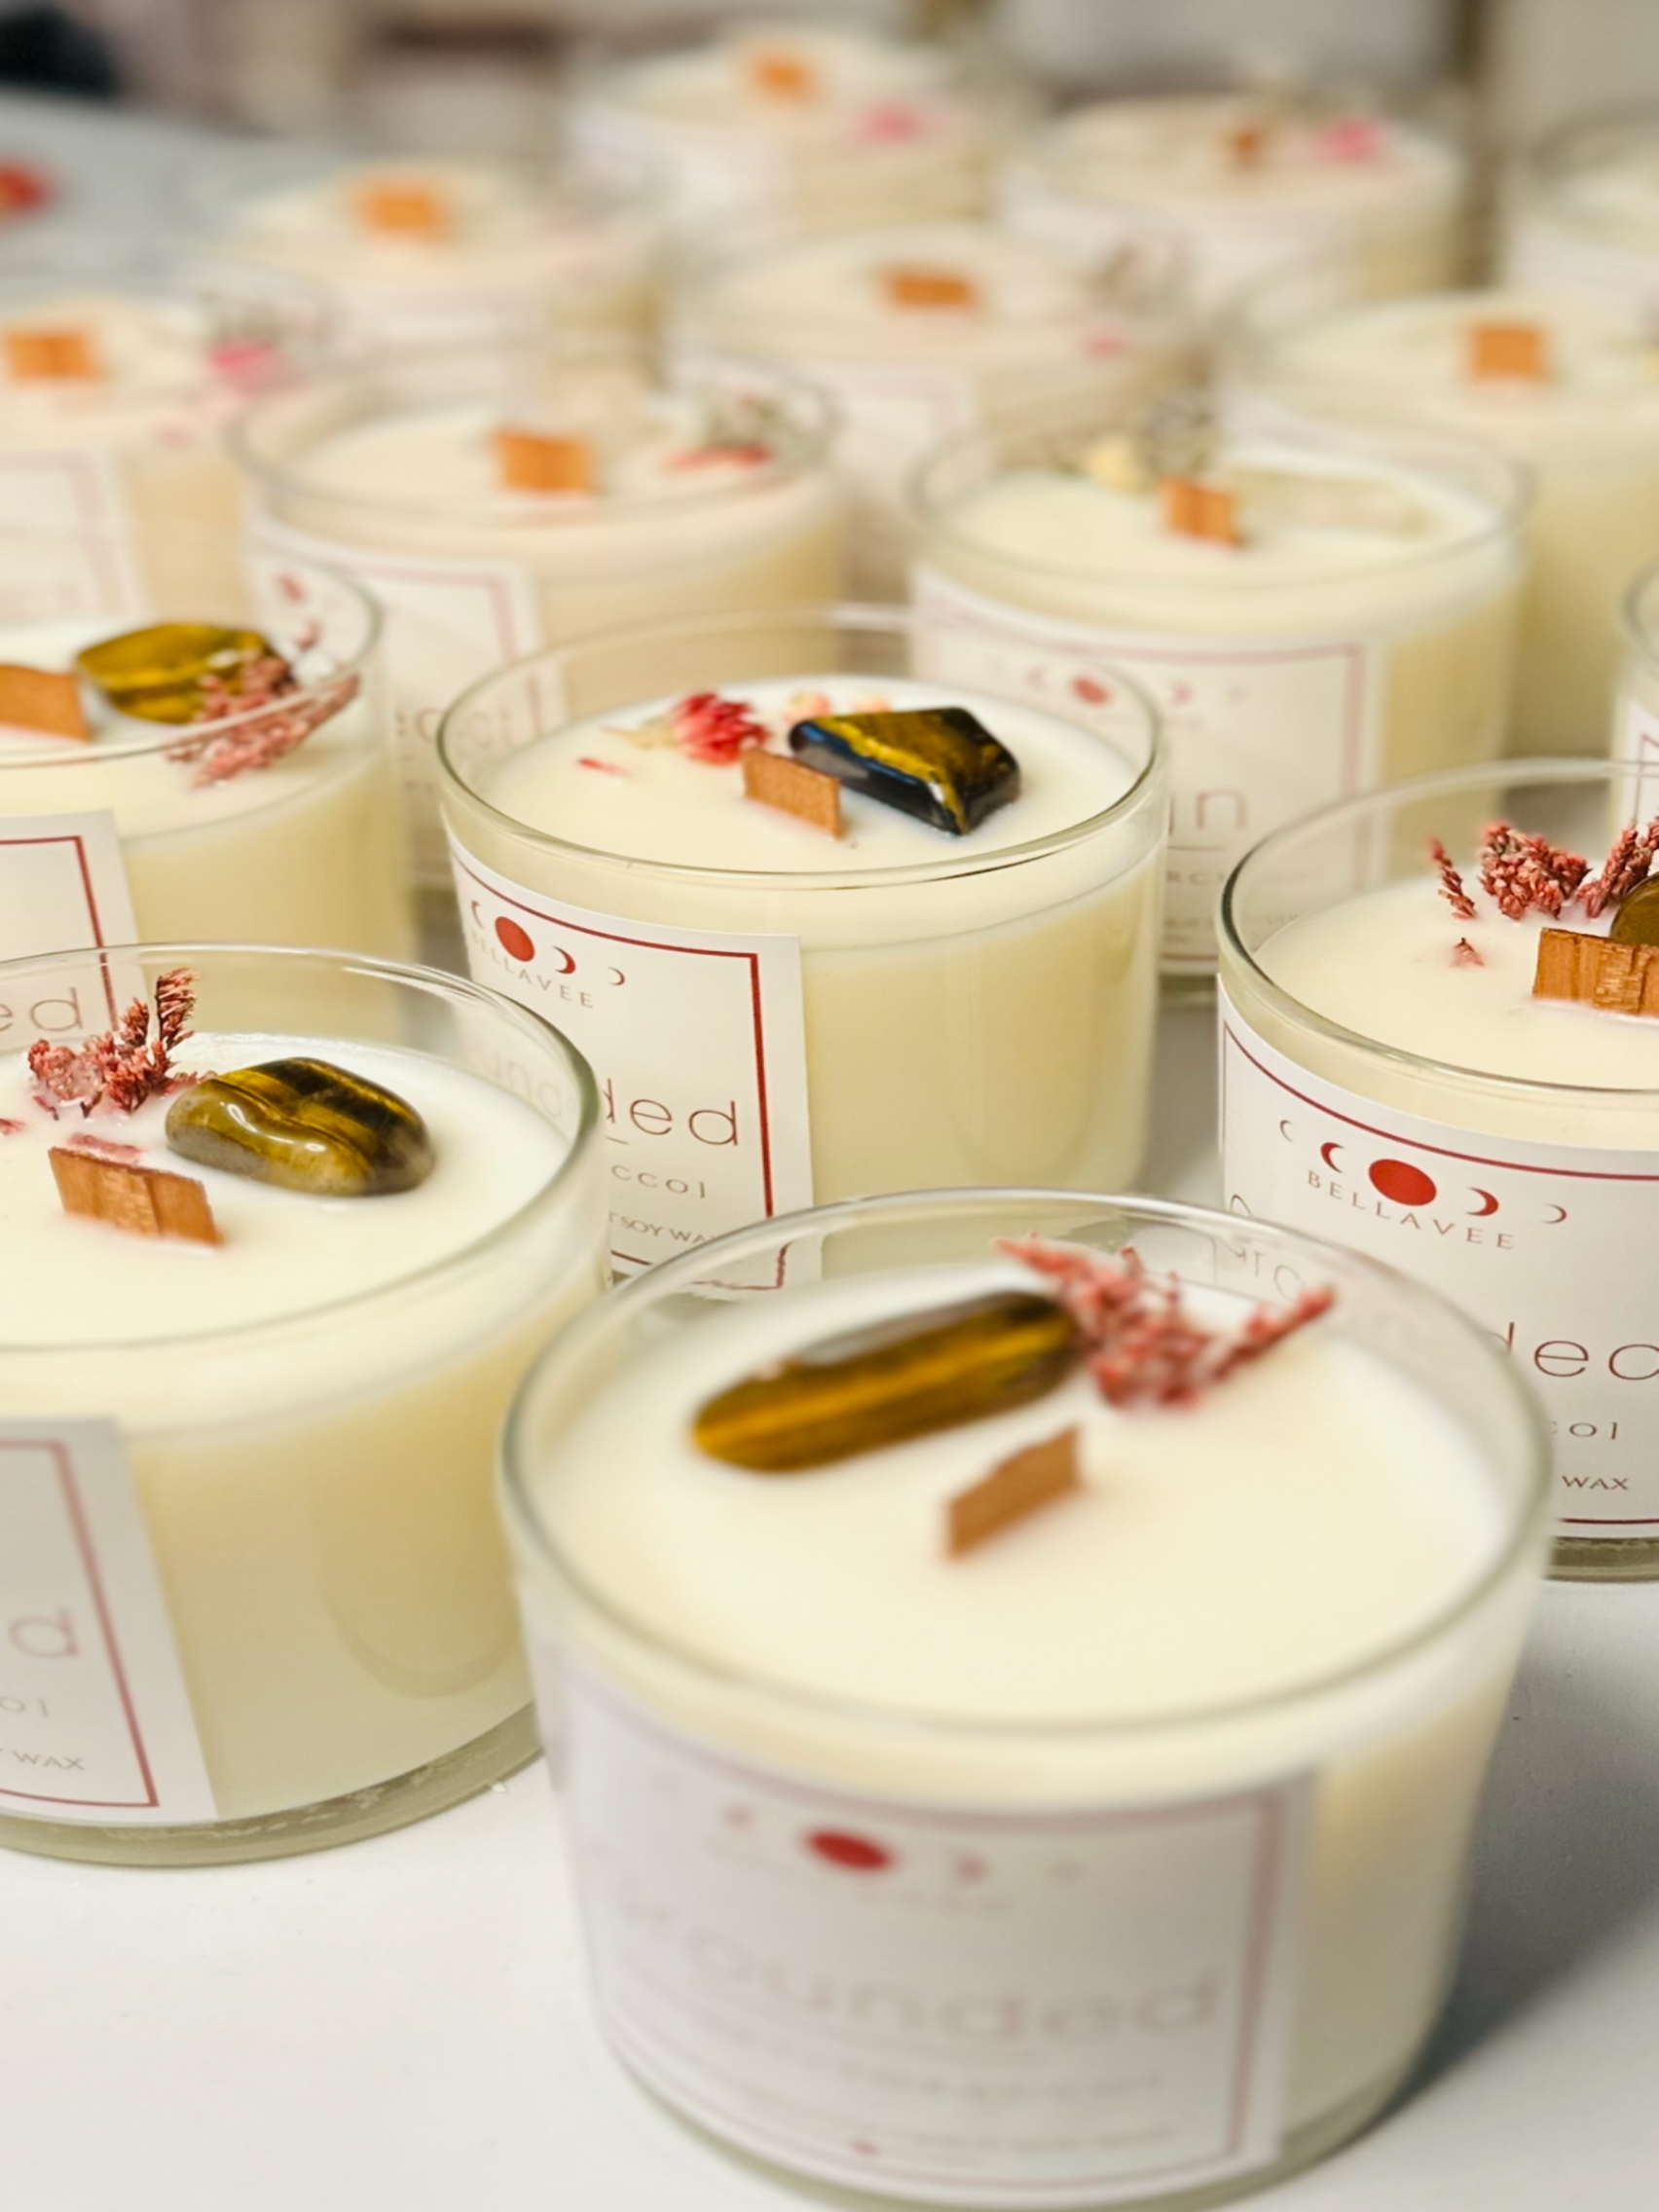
point(95, 919)
point(1266, 1877)
point(80, 1528)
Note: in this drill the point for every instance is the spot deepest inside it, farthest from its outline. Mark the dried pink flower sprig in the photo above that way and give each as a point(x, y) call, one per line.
point(125, 1066)
point(1142, 1345)
point(718, 731)
point(272, 715)
point(1524, 874)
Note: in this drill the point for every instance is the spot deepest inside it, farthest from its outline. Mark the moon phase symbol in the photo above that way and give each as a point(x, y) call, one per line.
point(1556, 1214)
point(1488, 1205)
point(1325, 1153)
point(1287, 1132)
point(566, 966)
point(617, 977)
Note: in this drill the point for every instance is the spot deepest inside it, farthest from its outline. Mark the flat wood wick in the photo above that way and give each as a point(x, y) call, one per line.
point(402, 211)
point(782, 75)
point(1247, 144)
point(1597, 972)
point(1015, 1487)
point(1200, 510)
point(40, 698)
point(51, 356)
point(1508, 352)
point(527, 461)
point(776, 779)
point(912, 286)
point(143, 1202)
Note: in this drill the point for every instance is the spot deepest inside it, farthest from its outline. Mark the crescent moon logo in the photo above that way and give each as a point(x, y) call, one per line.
point(1488, 1205)
point(1287, 1131)
point(566, 966)
point(617, 978)
point(1328, 1154)
point(1556, 1214)
point(477, 913)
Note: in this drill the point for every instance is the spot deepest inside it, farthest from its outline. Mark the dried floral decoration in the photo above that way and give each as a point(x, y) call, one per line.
point(1142, 1346)
point(265, 712)
point(1524, 874)
point(119, 1070)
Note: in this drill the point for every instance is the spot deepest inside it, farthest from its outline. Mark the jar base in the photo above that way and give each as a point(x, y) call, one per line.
point(1604, 1559)
point(501, 1750)
point(1304, 2147)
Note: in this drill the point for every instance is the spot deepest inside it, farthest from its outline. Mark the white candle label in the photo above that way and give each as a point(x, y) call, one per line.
point(63, 885)
point(1257, 732)
point(890, 417)
point(962, 2008)
point(68, 487)
point(706, 175)
point(1635, 738)
point(698, 1042)
point(95, 1718)
point(1526, 1237)
point(447, 624)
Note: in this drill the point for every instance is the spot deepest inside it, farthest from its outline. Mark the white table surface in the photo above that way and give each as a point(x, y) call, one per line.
point(402, 2024)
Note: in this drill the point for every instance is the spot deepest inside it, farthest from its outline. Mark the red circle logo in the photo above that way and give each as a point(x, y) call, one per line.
point(519, 942)
point(1400, 1181)
point(857, 1854)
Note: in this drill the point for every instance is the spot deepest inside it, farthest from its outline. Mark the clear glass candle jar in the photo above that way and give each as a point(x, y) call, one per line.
point(1636, 712)
point(278, 822)
point(1357, 624)
point(255, 1588)
point(421, 252)
point(705, 492)
point(1574, 400)
point(1408, 1096)
point(777, 1016)
point(1583, 210)
point(935, 1902)
point(1248, 185)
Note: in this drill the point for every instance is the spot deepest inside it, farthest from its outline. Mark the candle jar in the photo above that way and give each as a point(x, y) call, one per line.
point(417, 252)
point(921, 333)
point(1410, 1098)
point(1352, 620)
point(1248, 187)
point(1564, 381)
point(1636, 718)
point(901, 1907)
point(775, 1015)
point(255, 1587)
point(275, 820)
point(703, 493)
point(1583, 213)
point(796, 129)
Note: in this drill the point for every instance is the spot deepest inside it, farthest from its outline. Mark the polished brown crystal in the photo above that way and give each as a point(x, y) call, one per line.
point(305, 1125)
point(905, 1377)
point(1637, 921)
point(156, 672)
point(940, 763)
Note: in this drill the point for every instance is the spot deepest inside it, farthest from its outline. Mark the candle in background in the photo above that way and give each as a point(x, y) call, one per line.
point(1248, 186)
point(948, 978)
point(1310, 617)
point(247, 1519)
point(1395, 1077)
point(211, 787)
point(498, 500)
point(1067, 1806)
point(1566, 384)
point(922, 332)
point(1635, 714)
point(1583, 212)
point(416, 251)
point(797, 127)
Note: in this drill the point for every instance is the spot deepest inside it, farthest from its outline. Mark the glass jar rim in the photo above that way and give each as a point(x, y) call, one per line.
point(815, 428)
point(1512, 490)
point(575, 1339)
point(434, 982)
point(1532, 768)
point(75, 753)
point(1144, 785)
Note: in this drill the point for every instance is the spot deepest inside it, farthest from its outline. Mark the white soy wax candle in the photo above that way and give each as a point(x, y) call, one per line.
point(1246, 188)
point(1583, 211)
point(255, 1594)
point(1117, 1860)
point(1390, 1080)
point(921, 332)
point(1356, 622)
point(1566, 384)
point(416, 252)
point(795, 126)
point(776, 1014)
point(690, 494)
point(274, 821)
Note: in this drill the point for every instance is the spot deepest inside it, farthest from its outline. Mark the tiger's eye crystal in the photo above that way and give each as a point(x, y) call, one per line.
point(305, 1125)
point(901, 1379)
point(156, 672)
point(940, 763)
point(1637, 921)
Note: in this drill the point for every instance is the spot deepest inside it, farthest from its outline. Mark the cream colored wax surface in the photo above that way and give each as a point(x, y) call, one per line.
point(1361, 630)
point(874, 132)
point(959, 1029)
point(1305, 1519)
point(1374, 195)
point(307, 850)
point(317, 1499)
point(511, 253)
point(1588, 429)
